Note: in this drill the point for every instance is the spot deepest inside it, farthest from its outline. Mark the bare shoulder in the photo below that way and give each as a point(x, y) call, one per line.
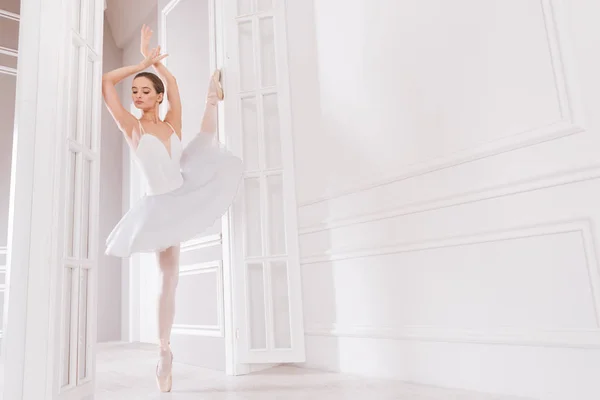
point(129, 125)
point(175, 124)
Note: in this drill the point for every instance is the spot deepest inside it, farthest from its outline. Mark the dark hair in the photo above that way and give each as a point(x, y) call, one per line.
point(156, 82)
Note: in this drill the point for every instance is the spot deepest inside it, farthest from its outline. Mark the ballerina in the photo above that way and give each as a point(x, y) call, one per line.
point(188, 188)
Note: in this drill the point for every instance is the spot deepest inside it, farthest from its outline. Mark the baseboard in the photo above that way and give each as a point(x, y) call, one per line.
point(503, 370)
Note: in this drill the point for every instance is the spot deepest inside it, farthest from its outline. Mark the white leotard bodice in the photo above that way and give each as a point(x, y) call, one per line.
point(161, 169)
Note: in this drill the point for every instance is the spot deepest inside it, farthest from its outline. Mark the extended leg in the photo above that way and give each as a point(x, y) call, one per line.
point(214, 95)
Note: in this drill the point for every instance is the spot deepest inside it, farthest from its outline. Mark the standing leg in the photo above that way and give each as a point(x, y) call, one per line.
point(168, 261)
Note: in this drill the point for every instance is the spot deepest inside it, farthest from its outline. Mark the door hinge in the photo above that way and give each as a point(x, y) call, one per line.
point(237, 333)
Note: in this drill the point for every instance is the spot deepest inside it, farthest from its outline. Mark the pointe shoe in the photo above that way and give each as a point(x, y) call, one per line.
point(214, 88)
point(165, 383)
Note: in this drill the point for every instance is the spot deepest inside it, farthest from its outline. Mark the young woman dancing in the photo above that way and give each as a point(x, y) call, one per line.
point(188, 188)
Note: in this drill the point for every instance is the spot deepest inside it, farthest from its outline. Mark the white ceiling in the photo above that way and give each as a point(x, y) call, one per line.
point(126, 16)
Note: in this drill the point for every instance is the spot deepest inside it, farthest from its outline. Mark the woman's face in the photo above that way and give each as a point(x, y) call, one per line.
point(144, 95)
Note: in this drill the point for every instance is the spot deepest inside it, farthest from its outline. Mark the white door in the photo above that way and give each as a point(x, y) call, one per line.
point(82, 166)
point(264, 239)
point(53, 227)
point(198, 337)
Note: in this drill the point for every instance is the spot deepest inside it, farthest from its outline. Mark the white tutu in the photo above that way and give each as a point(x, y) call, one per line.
point(211, 177)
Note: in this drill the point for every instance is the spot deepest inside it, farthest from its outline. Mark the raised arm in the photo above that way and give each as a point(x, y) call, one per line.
point(124, 119)
point(173, 115)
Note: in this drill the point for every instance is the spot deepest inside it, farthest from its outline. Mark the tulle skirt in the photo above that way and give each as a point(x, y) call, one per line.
point(211, 176)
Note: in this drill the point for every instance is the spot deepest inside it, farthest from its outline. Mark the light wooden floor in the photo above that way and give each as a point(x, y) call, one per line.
point(125, 372)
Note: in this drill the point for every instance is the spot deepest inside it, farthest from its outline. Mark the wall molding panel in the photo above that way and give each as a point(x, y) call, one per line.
point(579, 338)
point(202, 242)
point(213, 267)
point(449, 213)
point(570, 121)
point(584, 339)
point(198, 330)
point(515, 188)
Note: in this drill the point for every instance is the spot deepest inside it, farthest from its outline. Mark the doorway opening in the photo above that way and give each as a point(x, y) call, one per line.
point(186, 31)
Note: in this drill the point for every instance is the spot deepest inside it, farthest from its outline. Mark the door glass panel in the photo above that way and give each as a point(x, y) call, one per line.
point(244, 7)
point(89, 104)
point(253, 217)
point(91, 23)
point(267, 52)
point(247, 74)
point(272, 131)
point(71, 242)
point(83, 325)
point(67, 290)
point(256, 304)
point(277, 235)
point(85, 209)
point(264, 5)
point(250, 133)
point(281, 306)
point(74, 94)
point(2, 297)
point(76, 16)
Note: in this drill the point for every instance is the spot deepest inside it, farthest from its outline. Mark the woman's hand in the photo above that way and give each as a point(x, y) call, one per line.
point(153, 57)
point(146, 35)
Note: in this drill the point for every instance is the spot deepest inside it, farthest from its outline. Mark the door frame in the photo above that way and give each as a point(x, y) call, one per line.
point(218, 58)
point(131, 282)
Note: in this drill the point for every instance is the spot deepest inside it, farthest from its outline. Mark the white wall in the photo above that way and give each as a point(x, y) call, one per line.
point(447, 233)
point(131, 52)
point(111, 177)
point(125, 17)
